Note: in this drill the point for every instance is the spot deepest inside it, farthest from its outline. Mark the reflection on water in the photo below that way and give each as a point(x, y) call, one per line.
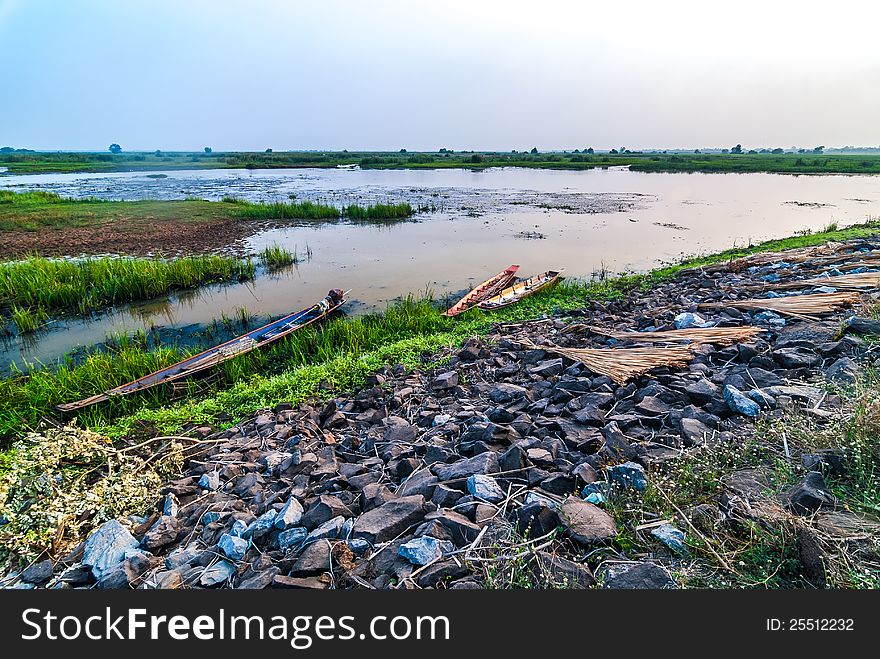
point(616, 219)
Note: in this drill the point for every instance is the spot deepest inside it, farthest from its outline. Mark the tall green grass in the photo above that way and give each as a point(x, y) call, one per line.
point(275, 257)
point(83, 285)
point(308, 210)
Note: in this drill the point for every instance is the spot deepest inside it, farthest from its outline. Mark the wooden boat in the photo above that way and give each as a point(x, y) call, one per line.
point(218, 354)
point(522, 289)
point(487, 289)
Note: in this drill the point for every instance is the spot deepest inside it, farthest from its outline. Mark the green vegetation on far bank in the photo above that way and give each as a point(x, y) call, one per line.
point(808, 162)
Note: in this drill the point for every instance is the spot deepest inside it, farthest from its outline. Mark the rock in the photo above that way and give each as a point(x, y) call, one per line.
point(106, 546)
point(210, 481)
point(170, 505)
point(398, 430)
point(419, 482)
point(305, 583)
point(485, 488)
point(556, 571)
point(809, 495)
point(483, 463)
point(559, 484)
point(445, 497)
point(460, 529)
point(829, 460)
point(739, 402)
point(261, 526)
point(324, 509)
point(314, 560)
point(290, 515)
point(688, 319)
point(217, 574)
point(862, 325)
point(547, 368)
point(652, 406)
point(843, 371)
point(811, 557)
point(796, 357)
point(629, 474)
point(261, 580)
point(233, 546)
point(694, 432)
point(389, 520)
point(423, 550)
point(448, 380)
point(292, 537)
point(671, 537)
point(702, 391)
point(38, 573)
point(329, 530)
point(441, 571)
point(585, 522)
point(506, 393)
point(641, 575)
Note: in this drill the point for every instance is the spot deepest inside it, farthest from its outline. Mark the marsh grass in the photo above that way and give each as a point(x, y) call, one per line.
point(308, 210)
point(84, 285)
point(275, 257)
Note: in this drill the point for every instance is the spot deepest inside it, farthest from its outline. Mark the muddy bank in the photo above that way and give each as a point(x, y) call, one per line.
point(513, 460)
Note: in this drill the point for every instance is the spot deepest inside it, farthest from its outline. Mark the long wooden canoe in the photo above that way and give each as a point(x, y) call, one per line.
point(210, 358)
point(522, 289)
point(487, 289)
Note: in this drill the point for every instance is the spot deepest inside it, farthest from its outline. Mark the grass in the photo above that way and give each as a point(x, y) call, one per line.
point(40, 285)
point(788, 163)
point(275, 257)
point(307, 210)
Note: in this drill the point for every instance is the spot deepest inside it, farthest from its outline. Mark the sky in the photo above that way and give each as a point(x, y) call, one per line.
point(421, 75)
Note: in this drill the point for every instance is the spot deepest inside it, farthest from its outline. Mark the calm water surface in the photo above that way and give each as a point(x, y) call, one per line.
point(613, 219)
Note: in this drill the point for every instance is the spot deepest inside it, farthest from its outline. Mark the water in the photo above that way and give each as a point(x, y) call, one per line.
point(611, 219)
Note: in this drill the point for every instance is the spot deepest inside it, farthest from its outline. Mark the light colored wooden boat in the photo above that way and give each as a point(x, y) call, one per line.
point(522, 289)
point(487, 289)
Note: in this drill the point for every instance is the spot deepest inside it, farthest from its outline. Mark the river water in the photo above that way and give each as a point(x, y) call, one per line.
point(478, 223)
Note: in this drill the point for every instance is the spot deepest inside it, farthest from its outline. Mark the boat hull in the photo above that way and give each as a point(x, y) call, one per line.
point(210, 358)
point(522, 290)
point(487, 289)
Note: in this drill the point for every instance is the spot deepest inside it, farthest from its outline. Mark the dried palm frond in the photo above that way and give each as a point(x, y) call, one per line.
point(861, 263)
point(799, 306)
point(852, 282)
point(623, 364)
point(723, 336)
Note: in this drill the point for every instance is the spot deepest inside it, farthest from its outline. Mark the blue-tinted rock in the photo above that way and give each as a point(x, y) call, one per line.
point(595, 498)
point(358, 547)
point(217, 574)
point(260, 526)
point(629, 474)
point(599, 487)
point(671, 537)
point(689, 319)
point(233, 546)
point(423, 550)
point(329, 530)
point(169, 505)
point(763, 399)
point(211, 517)
point(345, 532)
point(737, 401)
point(485, 488)
point(210, 481)
point(292, 537)
point(238, 528)
point(105, 547)
point(290, 515)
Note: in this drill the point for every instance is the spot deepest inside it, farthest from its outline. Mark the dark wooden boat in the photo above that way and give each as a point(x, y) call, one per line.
point(218, 354)
point(487, 289)
point(522, 289)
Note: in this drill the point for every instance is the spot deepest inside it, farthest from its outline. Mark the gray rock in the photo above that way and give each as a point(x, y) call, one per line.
point(694, 432)
point(702, 391)
point(389, 520)
point(162, 533)
point(547, 368)
point(585, 522)
point(423, 550)
point(314, 560)
point(796, 357)
point(38, 573)
point(843, 371)
point(290, 515)
point(398, 430)
point(233, 546)
point(324, 509)
point(483, 463)
point(506, 393)
point(739, 402)
point(641, 575)
point(217, 574)
point(809, 495)
point(862, 325)
point(329, 530)
point(448, 380)
point(553, 570)
point(106, 546)
point(485, 488)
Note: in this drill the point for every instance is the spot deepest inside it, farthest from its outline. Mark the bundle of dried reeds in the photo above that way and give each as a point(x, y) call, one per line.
point(852, 282)
point(799, 306)
point(722, 336)
point(623, 364)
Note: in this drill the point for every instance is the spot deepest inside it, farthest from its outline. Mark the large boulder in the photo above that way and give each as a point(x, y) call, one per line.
point(585, 522)
point(389, 520)
point(105, 547)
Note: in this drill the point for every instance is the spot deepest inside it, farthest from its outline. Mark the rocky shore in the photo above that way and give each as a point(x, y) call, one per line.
point(509, 462)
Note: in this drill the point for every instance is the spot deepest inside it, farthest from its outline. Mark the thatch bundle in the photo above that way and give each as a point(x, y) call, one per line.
point(852, 282)
point(722, 336)
point(798, 306)
point(623, 364)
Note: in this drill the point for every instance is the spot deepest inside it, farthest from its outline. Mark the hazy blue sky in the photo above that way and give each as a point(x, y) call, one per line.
point(252, 74)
